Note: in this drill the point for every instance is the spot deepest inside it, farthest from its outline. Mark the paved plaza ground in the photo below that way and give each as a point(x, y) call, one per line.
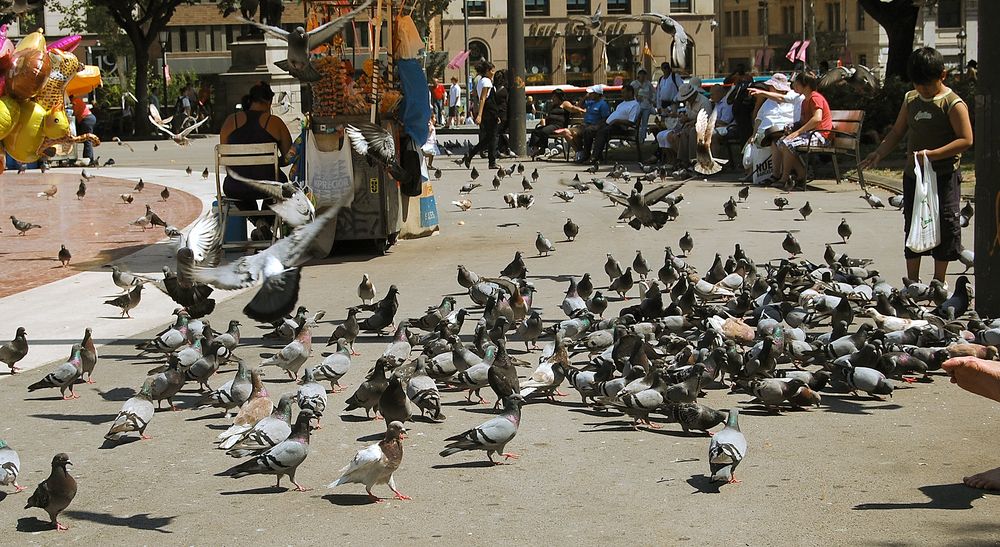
point(854, 471)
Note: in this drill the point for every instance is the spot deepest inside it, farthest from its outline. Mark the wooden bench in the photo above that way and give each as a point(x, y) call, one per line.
point(572, 135)
point(846, 140)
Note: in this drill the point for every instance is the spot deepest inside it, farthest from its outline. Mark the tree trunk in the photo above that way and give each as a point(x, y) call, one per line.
point(899, 19)
point(142, 125)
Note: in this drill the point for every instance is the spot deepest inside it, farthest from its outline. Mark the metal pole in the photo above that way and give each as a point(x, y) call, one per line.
point(468, 84)
point(515, 55)
point(987, 219)
point(163, 59)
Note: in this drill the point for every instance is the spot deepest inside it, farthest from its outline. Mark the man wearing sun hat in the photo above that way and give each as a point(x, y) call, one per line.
point(678, 144)
point(597, 112)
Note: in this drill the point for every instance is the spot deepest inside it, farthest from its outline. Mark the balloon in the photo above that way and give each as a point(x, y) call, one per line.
point(64, 67)
point(35, 40)
point(85, 81)
point(35, 124)
point(68, 43)
point(29, 72)
point(10, 111)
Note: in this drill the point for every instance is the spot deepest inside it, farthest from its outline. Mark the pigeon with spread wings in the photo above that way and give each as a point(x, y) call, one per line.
point(300, 43)
point(376, 144)
point(704, 129)
point(181, 138)
point(857, 76)
point(678, 53)
point(291, 202)
point(638, 205)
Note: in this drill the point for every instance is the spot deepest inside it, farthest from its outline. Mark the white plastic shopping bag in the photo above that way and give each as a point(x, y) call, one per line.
point(747, 155)
point(925, 222)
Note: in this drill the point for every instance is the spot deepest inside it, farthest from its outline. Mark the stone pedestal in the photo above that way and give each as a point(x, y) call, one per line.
point(252, 62)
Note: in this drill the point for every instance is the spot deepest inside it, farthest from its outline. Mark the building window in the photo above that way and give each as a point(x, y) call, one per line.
point(578, 7)
point(949, 13)
point(762, 21)
point(788, 19)
point(477, 8)
point(478, 51)
point(619, 6)
point(745, 22)
point(861, 18)
point(833, 17)
point(536, 7)
point(580, 61)
point(538, 61)
point(680, 6)
point(727, 23)
point(621, 64)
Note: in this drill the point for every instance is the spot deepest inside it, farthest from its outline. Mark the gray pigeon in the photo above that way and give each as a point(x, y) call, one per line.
point(21, 226)
point(544, 245)
point(55, 493)
point(281, 459)
point(639, 265)
point(294, 354)
point(844, 230)
point(10, 467)
point(695, 416)
point(15, 350)
point(612, 268)
point(264, 434)
point(393, 404)
point(311, 396)
point(334, 366)
point(233, 393)
point(423, 391)
point(348, 330)
point(64, 376)
point(88, 355)
point(301, 43)
point(571, 229)
point(623, 284)
point(492, 435)
point(368, 393)
point(727, 449)
point(135, 414)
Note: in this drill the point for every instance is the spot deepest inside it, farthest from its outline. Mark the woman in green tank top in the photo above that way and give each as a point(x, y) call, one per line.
point(937, 121)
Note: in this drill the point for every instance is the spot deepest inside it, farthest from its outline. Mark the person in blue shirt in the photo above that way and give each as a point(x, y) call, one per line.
point(597, 112)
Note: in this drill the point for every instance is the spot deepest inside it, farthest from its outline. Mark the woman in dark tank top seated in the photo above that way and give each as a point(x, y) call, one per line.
point(556, 117)
point(254, 125)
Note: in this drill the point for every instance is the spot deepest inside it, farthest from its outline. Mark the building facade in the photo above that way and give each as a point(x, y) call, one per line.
point(758, 34)
point(561, 50)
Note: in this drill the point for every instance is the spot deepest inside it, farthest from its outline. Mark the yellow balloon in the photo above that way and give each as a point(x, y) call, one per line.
point(10, 110)
point(56, 124)
point(23, 141)
point(35, 40)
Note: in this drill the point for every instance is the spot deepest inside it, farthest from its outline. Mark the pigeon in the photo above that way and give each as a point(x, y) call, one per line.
point(264, 434)
point(564, 195)
point(294, 354)
point(492, 435)
point(474, 174)
point(233, 393)
point(109, 162)
point(167, 382)
point(704, 129)
point(544, 245)
point(374, 142)
point(571, 230)
point(727, 449)
point(188, 170)
point(423, 391)
point(958, 303)
point(286, 199)
point(88, 356)
point(637, 206)
point(686, 243)
point(120, 142)
point(874, 201)
point(468, 188)
point(21, 226)
point(64, 376)
point(64, 256)
point(81, 190)
point(780, 202)
point(623, 284)
point(791, 245)
point(281, 459)
point(525, 185)
point(679, 48)
point(516, 268)
point(12, 352)
point(204, 174)
point(335, 366)
point(366, 290)
point(639, 265)
point(348, 330)
point(55, 493)
point(257, 407)
point(694, 416)
point(597, 304)
point(368, 393)
point(49, 192)
point(896, 201)
point(10, 467)
point(376, 464)
point(744, 193)
point(127, 302)
point(165, 194)
point(729, 208)
point(180, 138)
point(135, 414)
point(503, 378)
point(384, 312)
point(126, 198)
point(858, 76)
point(585, 287)
point(844, 230)
point(612, 268)
point(311, 395)
point(393, 403)
point(301, 43)
point(805, 211)
point(968, 259)
point(462, 204)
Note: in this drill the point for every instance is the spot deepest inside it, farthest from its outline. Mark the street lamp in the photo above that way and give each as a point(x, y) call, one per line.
point(633, 46)
point(164, 36)
point(962, 36)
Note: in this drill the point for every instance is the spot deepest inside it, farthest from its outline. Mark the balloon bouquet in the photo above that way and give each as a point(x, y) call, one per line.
point(34, 81)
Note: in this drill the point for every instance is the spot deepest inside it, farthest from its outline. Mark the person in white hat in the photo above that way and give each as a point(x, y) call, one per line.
point(677, 145)
point(594, 118)
point(620, 122)
point(774, 110)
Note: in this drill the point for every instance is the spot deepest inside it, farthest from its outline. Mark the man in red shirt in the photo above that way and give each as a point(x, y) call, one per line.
point(437, 94)
point(812, 129)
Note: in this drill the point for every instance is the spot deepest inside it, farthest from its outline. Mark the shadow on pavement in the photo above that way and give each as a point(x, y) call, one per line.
point(140, 521)
point(704, 484)
point(93, 419)
point(33, 524)
point(348, 499)
point(942, 496)
point(464, 465)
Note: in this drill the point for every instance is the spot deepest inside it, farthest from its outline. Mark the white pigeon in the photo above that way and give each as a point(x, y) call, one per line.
point(704, 129)
point(289, 200)
point(678, 51)
point(376, 464)
point(181, 138)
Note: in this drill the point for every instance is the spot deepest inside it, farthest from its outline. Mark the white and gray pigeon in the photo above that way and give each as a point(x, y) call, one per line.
point(727, 449)
point(334, 366)
point(301, 43)
point(264, 434)
point(289, 200)
point(294, 354)
point(492, 435)
point(423, 391)
point(374, 142)
point(233, 393)
point(281, 459)
point(135, 414)
point(376, 464)
point(311, 395)
point(678, 50)
point(10, 466)
point(64, 376)
point(543, 245)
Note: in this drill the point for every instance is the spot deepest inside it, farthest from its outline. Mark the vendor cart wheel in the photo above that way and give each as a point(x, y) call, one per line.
point(381, 246)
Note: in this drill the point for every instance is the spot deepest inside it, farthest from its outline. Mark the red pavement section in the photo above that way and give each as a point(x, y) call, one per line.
point(95, 229)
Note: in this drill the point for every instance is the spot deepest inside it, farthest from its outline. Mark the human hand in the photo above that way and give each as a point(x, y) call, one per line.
point(479, 120)
point(871, 160)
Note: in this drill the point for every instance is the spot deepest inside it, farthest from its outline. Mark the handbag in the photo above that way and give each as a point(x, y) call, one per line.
point(747, 155)
point(925, 221)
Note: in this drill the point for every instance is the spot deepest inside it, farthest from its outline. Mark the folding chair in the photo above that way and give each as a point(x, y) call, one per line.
point(236, 155)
